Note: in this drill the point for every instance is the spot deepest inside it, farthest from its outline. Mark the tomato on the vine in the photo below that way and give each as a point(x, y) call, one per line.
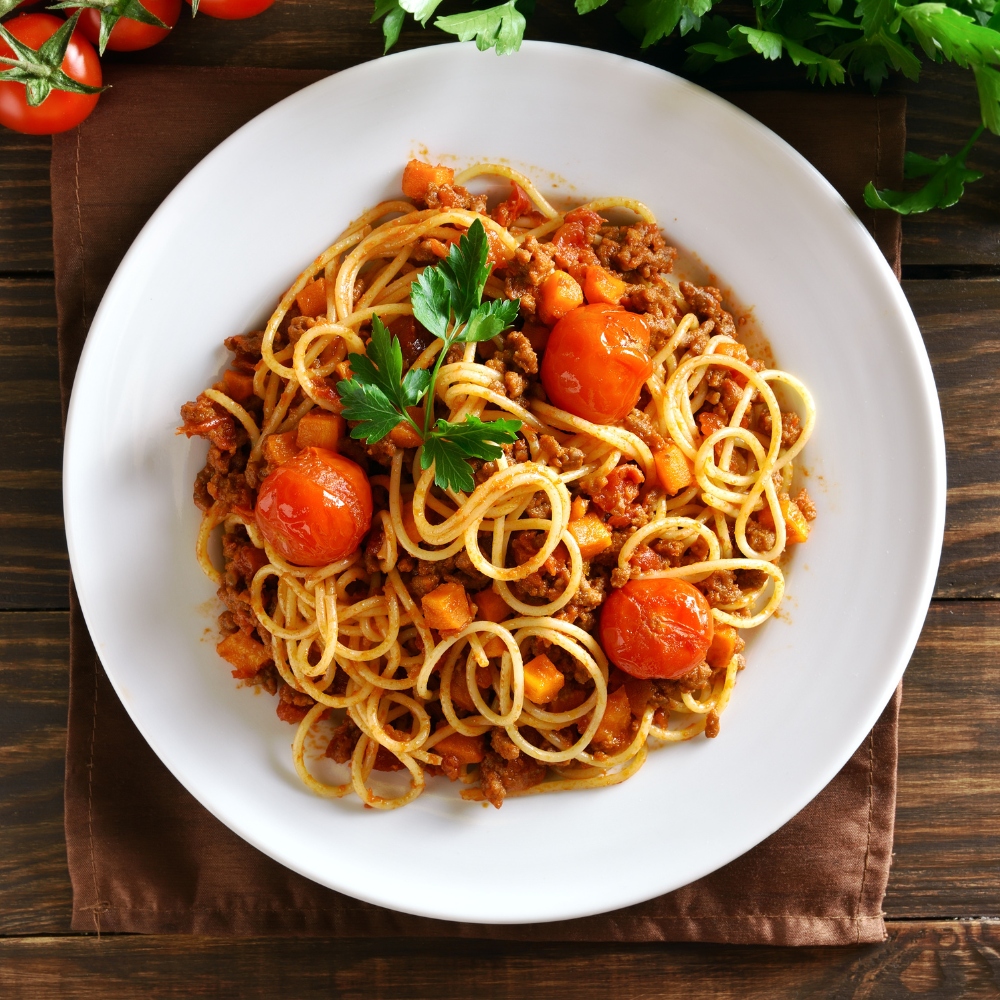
point(231, 10)
point(660, 627)
point(56, 80)
point(315, 508)
point(128, 33)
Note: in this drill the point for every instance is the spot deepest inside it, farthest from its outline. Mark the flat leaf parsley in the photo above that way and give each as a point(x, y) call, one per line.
point(832, 41)
point(447, 300)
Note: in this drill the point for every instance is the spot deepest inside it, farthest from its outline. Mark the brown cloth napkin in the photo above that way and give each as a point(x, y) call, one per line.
point(145, 857)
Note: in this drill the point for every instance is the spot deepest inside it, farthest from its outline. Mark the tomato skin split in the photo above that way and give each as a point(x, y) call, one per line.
point(315, 508)
point(658, 628)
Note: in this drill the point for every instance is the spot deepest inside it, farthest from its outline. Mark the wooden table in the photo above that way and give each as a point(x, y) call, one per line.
point(943, 904)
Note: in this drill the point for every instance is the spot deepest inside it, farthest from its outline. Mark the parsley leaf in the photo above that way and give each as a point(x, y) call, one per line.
point(393, 23)
point(447, 300)
point(489, 319)
point(449, 445)
point(500, 28)
point(948, 177)
point(370, 405)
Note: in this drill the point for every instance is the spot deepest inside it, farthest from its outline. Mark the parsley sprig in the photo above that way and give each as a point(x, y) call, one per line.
point(831, 40)
point(447, 300)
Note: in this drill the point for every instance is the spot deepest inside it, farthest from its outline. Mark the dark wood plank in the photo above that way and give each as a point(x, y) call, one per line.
point(34, 569)
point(959, 321)
point(34, 688)
point(25, 213)
point(947, 960)
point(947, 853)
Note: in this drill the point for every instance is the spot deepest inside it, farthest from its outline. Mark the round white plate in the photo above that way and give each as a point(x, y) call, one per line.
point(215, 258)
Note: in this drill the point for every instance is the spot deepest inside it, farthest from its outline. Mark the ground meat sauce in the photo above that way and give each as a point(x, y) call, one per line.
point(639, 256)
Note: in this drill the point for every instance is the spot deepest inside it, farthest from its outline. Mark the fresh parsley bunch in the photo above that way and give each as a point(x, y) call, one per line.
point(833, 41)
point(447, 299)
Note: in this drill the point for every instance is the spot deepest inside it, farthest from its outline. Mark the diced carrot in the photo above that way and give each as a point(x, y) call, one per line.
point(733, 350)
point(492, 607)
point(740, 353)
point(495, 647)
point(723, 646)
point(417, 176)
point(237, 385)
point(279, 448)
point(638, 692)
point(616, 721)
point(312, 299)
point(467, 749)
point(674, 469)
point(578, 508)
point(600, 285)
point(543, 680)
point(560, 294)
point(446, 608)
point(319, 429)
point(796, 525)
point(404, 436)
point(245, 653)
point(591, 534)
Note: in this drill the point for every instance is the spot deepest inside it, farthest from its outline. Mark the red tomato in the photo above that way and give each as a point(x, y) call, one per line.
point(596, 362)
point(656, 628)
point(60, 110)
point(315, 508)
point(128, 35)
point(232, 10)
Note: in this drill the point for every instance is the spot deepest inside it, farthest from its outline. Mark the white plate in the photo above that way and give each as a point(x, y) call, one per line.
point(215, 258)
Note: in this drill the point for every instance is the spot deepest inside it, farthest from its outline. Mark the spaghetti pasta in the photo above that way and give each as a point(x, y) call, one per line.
point(463, 637)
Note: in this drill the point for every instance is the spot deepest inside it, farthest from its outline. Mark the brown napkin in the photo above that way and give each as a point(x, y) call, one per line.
point(145, 857)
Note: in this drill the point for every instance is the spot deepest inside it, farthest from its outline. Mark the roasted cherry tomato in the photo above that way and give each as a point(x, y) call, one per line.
point(596, 361)
point(315, 508)
point(129, 35)
point(656, 628)
point(61, 110)
point(232, 10)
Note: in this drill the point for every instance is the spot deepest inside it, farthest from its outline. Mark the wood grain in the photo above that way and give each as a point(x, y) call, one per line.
point(948, 811)
point(34, 568)
point(959, 321)
point(947, 859)
point(34, 690)
point(25, 212)
point(944, 960)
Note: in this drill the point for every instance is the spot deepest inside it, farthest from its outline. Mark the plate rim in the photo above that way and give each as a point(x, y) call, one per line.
point(930, 409)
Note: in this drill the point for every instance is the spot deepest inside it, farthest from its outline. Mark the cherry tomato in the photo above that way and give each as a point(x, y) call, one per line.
point(60, 110)
point(656, 628)
point(596, 362)
point(232, 10)
point(128, 35)
point(315, 508)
